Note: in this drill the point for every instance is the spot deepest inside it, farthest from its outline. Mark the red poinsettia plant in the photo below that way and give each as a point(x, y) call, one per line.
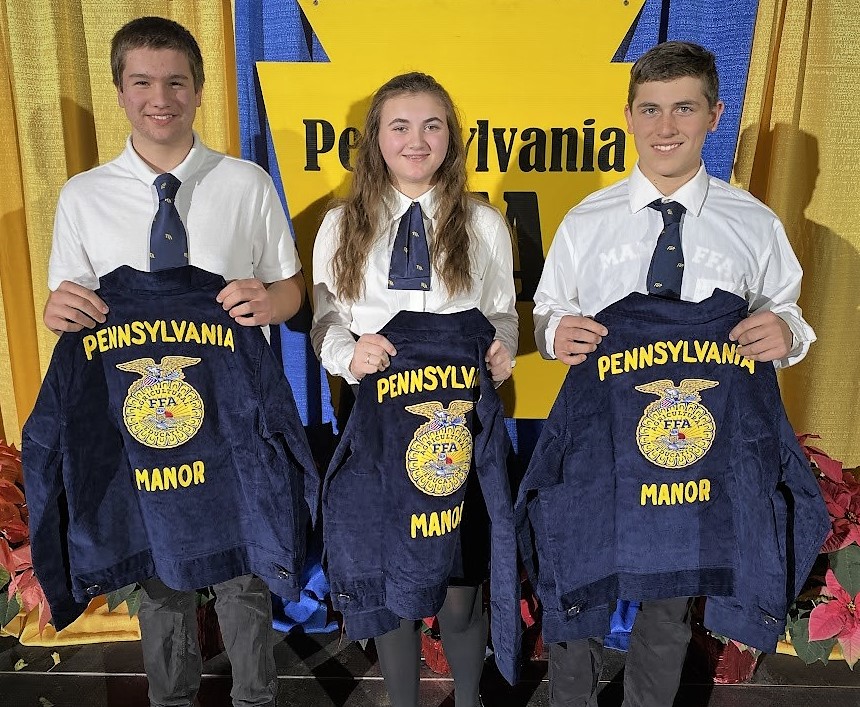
point(827, 613)
point(19, 587)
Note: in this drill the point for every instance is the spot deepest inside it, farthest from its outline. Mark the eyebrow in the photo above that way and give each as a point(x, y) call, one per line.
point(677, 104)
point(150, 76)
point(396, 121)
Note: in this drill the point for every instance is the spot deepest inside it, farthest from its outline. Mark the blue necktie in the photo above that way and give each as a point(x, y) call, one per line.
point(410, 259)
point(168, 242)
point(667, 263)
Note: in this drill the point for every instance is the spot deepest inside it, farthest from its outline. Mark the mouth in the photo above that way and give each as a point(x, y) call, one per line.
point(416, 158)
point(669, 147)
point(162, 118)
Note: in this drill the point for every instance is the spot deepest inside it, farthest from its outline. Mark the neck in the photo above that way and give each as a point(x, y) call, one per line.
point(668, 185)
point(162, 158)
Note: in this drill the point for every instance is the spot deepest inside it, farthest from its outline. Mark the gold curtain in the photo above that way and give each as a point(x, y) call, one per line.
point(60, 116)
point(799, 152)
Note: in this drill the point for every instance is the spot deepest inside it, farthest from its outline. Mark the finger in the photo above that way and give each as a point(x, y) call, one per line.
point(381, 342)
point(79, 292)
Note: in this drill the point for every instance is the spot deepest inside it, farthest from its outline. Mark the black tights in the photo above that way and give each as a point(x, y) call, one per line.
point(463, 625)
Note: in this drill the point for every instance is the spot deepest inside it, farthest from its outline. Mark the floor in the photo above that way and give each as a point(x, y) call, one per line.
point(325, 671)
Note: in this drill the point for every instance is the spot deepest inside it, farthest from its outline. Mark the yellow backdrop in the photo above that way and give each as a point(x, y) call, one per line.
point(798, 152)
point(60, 115)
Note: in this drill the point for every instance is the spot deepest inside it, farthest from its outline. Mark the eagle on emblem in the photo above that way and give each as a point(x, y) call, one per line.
point(440, 416)
point(170, 369)
point(670, 394)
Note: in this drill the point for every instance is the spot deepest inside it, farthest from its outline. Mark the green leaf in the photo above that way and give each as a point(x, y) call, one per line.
point(133, 602)
point(809, 651)
point(4, 577)
point(9, 608)
point(845, 564)
point(114, 599)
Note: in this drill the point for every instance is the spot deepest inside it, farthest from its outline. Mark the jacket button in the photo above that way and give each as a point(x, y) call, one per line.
point(574, 610)
point(283, 573)
point(93, 590)
point(770, 620)
point(345, 598)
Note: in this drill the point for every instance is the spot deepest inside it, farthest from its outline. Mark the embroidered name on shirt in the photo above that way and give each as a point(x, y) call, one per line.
point(157, 332)
point(663, 352)
point(427, 378)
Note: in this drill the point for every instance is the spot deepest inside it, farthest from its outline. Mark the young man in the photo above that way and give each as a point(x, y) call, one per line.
point(234, 225)
point(603, 251)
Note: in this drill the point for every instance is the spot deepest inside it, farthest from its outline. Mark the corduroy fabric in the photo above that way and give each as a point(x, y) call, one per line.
point(100, 517)
point(748, 541)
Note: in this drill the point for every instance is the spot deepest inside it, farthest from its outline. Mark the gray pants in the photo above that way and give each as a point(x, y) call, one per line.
point(171, 654)
point(652, 672)
point(463, 625)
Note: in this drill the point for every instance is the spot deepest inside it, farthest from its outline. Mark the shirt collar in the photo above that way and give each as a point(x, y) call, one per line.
point(183, 171)
point(690, 195)
point(398, 203)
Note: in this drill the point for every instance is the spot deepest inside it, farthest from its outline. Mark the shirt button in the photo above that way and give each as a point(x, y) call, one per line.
point(574, 610)
point(345, 598)
point(283, 573)
point(94, 590)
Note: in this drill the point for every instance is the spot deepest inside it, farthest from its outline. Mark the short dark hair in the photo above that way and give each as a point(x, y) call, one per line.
point(155, 33)
point(674, 60)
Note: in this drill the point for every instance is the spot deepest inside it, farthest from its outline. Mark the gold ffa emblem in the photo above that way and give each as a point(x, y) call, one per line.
point(161, 410)
point(439, 456)
point(676, 430)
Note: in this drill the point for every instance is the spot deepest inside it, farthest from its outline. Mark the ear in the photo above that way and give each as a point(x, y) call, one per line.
point(716, 114)
point(120, 99)
point(628, 116)
point(199, 97)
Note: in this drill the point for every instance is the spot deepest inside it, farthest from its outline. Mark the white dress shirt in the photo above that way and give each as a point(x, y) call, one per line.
point(233, 216)
point(337, 323)
point(731, 241)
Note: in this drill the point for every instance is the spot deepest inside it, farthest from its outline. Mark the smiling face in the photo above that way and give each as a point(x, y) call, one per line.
point(413, 140)
point(669, 121)
point(158, 95)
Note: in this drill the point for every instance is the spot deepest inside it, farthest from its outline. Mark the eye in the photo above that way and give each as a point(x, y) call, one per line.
point(649, 111)
point(432, 127)
point(685, 110)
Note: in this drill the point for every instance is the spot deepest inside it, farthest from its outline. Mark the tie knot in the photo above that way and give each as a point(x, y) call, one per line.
point(166, 185)
point(671, 210)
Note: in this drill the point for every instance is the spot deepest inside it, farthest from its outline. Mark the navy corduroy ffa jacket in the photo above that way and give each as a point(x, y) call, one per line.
point(165, 442)
point(667, 467)
point(402, 514)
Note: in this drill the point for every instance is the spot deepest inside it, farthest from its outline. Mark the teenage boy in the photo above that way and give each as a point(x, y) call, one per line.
point(603, 251)
point(234, 225)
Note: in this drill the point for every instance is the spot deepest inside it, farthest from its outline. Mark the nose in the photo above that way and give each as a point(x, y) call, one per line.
point(667, 126)
point(160, 94)
point(417, 140)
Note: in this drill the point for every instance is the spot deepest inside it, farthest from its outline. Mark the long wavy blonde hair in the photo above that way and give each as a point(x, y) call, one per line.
point(364, 204)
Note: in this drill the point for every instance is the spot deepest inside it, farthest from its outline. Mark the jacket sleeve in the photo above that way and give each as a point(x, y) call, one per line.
point(42, 461)
point(280, 418)
point(492, 447)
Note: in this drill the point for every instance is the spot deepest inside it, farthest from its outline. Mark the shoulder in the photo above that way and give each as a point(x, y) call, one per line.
point(482, 214)
point(94, 180)
point(238, 171)
point(725, 196)
point(599, 204)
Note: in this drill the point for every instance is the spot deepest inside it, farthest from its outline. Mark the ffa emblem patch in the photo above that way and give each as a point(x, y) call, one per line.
point(676, 430)
point(161, 410)
point(439, 456)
